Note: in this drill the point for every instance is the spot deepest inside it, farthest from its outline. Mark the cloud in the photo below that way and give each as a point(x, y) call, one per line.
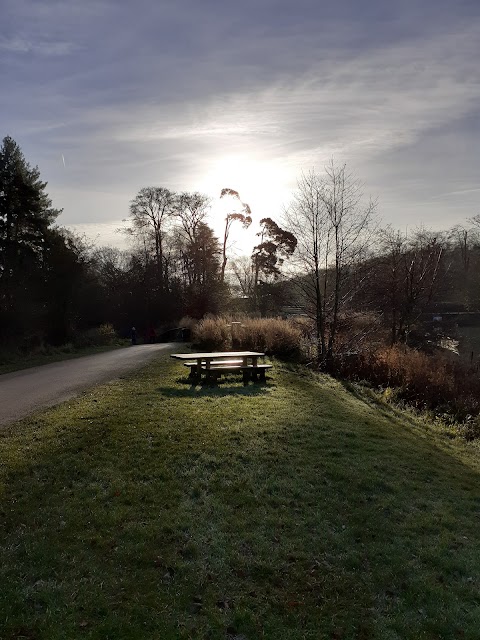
point(460, 192)
point(163, 93)
point(357, 108)
point(43, 48)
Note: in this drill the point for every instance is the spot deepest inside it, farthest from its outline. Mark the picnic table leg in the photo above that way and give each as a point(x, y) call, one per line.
point(197, 370)
point(210, 376)
point(245, 372)
point(254, 370)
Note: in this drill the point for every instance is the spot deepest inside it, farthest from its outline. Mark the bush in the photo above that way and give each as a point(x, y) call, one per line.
point(426, 381)
point(187, 322)
point(101, 336)
point(213, 333)
point(274, 336)
point(8, 354)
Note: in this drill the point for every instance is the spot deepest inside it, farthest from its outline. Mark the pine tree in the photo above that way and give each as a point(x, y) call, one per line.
point(26, 214)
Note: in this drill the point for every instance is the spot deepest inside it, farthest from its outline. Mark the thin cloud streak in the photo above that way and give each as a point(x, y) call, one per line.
point(461, 192)
point(43, 48)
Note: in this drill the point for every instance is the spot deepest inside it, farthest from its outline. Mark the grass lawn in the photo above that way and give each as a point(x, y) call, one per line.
point(149, 510)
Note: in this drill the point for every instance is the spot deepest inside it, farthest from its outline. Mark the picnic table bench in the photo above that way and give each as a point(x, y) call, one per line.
point(216, 363)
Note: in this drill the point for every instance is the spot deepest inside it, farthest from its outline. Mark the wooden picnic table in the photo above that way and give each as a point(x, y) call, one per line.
point(222, 360)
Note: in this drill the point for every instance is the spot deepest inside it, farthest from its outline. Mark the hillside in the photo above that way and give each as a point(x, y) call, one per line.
point(146, 509)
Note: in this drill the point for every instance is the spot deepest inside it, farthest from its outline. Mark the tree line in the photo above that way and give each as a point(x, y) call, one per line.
point(55, 284)
point(348, 263)
point(328, 255)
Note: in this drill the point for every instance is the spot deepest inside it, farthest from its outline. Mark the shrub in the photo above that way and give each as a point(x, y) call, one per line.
point(8, 354)
point(470, 429)
point(187, 322)
point(107, 334)
point(426, 381)
point(274, 336)
point(68, 347)
point(213, 333)
point(98, 337)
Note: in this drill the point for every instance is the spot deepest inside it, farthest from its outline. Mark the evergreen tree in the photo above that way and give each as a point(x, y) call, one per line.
point(25, 216)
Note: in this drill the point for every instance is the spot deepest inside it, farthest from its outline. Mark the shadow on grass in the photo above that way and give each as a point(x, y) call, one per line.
point(219, 389)
point(371, 399)
point(395, 413)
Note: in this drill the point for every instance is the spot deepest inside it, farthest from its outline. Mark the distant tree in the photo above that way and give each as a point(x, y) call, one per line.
point(475, 221)
point(333, 230)
point(111, 265)
point(463, 251)
point(473, 291)
point(71, 292)
point(421, 275)
point(244, 272)
point(461, 240)
point(275, 245)
point(151, 211)
point(167, 268)
point(191, 211)
point(201, 269)
point(387, 285)
point(113, 271)
point(243, 216)
point(408, 273)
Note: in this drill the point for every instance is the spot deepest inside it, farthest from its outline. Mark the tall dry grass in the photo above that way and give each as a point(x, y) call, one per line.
point(424, 380)
point(273, 336)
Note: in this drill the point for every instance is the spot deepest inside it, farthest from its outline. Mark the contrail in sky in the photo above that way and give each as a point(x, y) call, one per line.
point(63, 159)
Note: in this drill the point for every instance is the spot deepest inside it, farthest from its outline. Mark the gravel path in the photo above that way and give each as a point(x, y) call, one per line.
point(23, 392)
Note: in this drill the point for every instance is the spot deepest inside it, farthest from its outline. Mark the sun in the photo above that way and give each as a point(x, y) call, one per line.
point(262, 184)
point(252, 178)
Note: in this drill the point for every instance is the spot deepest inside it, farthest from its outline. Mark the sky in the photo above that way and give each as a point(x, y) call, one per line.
point(109, 96)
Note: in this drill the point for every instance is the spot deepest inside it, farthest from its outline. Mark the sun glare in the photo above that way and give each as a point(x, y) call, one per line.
point(260, 184)
point(251, 178)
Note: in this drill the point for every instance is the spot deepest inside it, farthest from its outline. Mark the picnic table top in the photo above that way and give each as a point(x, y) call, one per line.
point(216, 354)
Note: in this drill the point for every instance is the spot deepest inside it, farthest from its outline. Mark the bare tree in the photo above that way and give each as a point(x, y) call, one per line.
point(409, 271)
point(191, 211)
point(475, 221)
point(333, 229)
point(421, 270)
point(462, 249)
point(461, 239)
point(150, 211)
point(388, 287)
point(244, 273)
